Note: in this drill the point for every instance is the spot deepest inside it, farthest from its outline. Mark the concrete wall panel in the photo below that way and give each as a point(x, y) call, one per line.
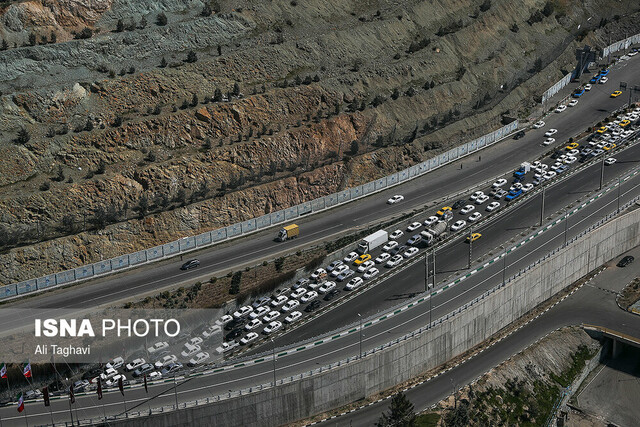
point(65, 277)
point(119, 262)
point(155, 253)
point(138, 257)
point(84, 272)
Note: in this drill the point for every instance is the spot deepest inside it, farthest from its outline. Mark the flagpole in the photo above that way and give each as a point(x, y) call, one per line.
point(25, 418)
point(70, 411)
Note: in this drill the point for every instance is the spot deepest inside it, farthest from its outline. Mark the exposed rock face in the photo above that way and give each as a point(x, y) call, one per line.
point(284, 103)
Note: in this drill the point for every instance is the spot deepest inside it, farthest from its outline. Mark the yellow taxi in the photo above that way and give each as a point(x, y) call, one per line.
point(572, 146)
point(473, 237)
point(609, 146)
point(443, 210)
point(625, 123)
point(616, 94)
point(603, 129)
point(362, 258)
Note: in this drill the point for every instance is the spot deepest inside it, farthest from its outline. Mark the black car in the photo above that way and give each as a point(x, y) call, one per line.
point(234, 324)
point(625, 261)
point(233, 334)
point(397, 249)
point(518, 135)
point(331, 294)
point(556, 154)
point(147, 367)
point(312, 306)
point(460, 203)
point(92, 373)
point(192, 263)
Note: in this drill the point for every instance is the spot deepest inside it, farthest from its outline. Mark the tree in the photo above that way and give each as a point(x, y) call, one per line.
point(88, 126)
point(395, 94)
point(23, 136)
point(548, 9)
point(68, 222)
point(32, 39)
point(161, 19)
point(143, 206)
point(132, 69)
point(117, 121)
point(206, 10)
point(120, 26)
point(401, 413)
point(143, 23)
point(5, 45)
point(60, 175)
point(191, 57)
point(486, 5)
point(236, 89)
point(86, 33)
point(102, 166)
point(217, 95)
point(163, 62)
point(53, 37)
point(194, 100)
point(235, 283)
point(354, 147)
point(219, 50)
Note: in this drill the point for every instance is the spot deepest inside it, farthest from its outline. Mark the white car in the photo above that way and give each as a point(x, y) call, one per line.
point(318, 273)
point(295, 315)
point(279, 301)
point(467, 209)
point(551, 132)
point(158, 346)
point(112, 382)
point(573, 152)
point(253, 324)
point(108, 373)
point(291, 304)
point(351, 256)
point(603, 80)
point(549, 175)
point(227, 346)
point(609, 161)
point(392, 244)
point(334, 265)
point(243, 311)
point(548, 141)
point(475, 216)
point(430, 220)
point(261, 311)
point(298, 293)
point(371, 273)
point(135, 364)
point(515, 187)
point(251, 336)
point(587, 87)
point(414, 226)
point(538, 125)
point(116, 363)
point(191, 350)
point(561, 108)
point(309, 296)
point(211, 331)
point(493, 206)
point(365, 266)
point(499, 183)
point(354, 283)
point(480, 200)
point(475, 195)
point(573, 102)
point(395, 260)
point(527, 187)
point(225, 319)
point(569, 160)
point(384, 257)
point(326, 287)
point(195, 341)
point(395, 199)
point(339, 270)
point(458, 225)
point(272, 327)
point(199, 358)
point(271, 316)
point(410, 252)
point(396, 235)
point(170, 358)
point(155, 375)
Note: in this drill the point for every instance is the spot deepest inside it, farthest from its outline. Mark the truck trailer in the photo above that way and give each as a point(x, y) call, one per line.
point(372, 241)
point(288, 232)
point(437, 232)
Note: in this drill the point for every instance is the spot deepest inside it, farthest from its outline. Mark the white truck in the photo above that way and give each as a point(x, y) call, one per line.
point(372, 241)
point(437, 232)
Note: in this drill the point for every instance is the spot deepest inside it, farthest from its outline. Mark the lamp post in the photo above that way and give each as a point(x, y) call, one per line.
point(360, 320)
point(273, 352)
point(619, 184)
point(542, 207)
point(566, 227)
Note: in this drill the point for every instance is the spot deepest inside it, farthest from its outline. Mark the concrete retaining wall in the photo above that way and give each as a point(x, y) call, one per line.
point(392, 365)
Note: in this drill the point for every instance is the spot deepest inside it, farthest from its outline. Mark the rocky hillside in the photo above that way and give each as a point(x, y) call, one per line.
point(126, 124)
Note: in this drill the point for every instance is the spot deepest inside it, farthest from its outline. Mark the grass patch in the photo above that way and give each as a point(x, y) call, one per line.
point(427, 420)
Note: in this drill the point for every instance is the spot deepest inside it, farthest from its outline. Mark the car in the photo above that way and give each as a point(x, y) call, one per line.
point(587, 87)
point(365, 266)
point(527, 187)
point(586, 151)
point(261, 311)
point(292, 317)
point(597, 152)
point(351, 256)
point(354, 283)
point(331, 294)
point(414, 226)
point(372, 272)
point(251, 336)
point(473, 237)
point(410, 252)
point(609, 146)
point(518, 135)
point(272, 327)
point(414, 240)
point(467, 209)
point(398, 249)
point(158, 346)
point(458, 225)
point(309, 296)
point(110, 373)
point(551, 132)
point(225, 319)
point(457, 205)
point(253, 324)
point(616, 93)
point(211, 331)
point(560, 108)
point(442, 212)
point(199, 359)
point(190, 350)
point(603, 80)
point(272, 315)
point(261, 301)
point(431, 220)
point(548, 141)
point(480, 200)
point(112, 382)
point(512, 195)
point(384, 257)
point(224, 348)
point(624, 123)
point(243, 311)
point(609, 161)
point(234, 324)
point(475, 195)
point(80, 386)
point(319, 273)
point(395, 199)
point(475, 216)
point(499, 183)
point(573, 103)
point(116, 363)
point(492, 206)
point(604, 72)
point(595, 79)
point(313, 306)
point(602, 129)
point(362, 259)
point(395, 260)
point(334, 265)
point(144, 369)
point(135, 364)
point(173, 367)
point(326, 287)
point(345, 275)
point(396, 234)
point(165, 361)
point(192, 263)
point(625, 261)
point(339, 270)
point(538, 125)
point(500, 194)
point(572, 146)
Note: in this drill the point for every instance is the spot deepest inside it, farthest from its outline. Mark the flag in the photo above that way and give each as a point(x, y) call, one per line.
point(3, 371)
point(146, 390)
point(26, 370)
point(45, 396)
point(120, 385)
point(20, 402)
point(99, 388)
point(72, 396)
